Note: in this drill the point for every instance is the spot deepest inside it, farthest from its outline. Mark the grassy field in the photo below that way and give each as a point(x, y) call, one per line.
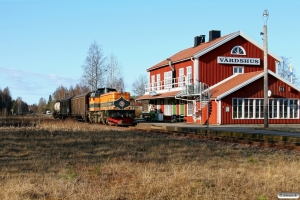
point(71, 160)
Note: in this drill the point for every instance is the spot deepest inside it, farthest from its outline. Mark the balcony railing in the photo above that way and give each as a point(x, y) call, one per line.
point(168, 84)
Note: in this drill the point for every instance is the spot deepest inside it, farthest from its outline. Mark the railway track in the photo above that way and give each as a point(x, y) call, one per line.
point(245, 138)
point(278, 141)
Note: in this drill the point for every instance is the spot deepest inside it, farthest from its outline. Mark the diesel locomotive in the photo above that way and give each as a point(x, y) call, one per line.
point(104, 105)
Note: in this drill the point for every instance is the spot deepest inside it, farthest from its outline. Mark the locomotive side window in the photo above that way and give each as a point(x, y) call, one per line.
point(107, 90)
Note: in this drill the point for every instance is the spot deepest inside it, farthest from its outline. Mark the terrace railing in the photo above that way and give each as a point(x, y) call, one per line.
point(168, 84)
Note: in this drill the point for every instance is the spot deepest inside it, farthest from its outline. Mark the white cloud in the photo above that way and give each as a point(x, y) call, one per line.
point(31, 86)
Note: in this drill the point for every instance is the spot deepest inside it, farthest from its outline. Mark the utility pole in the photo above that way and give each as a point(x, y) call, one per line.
point(265, 18)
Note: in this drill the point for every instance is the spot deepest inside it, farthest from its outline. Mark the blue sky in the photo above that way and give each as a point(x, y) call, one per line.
point(43, 43)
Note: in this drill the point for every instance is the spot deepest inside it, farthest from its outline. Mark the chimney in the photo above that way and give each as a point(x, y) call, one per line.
point(198, 40)
point(213, 34)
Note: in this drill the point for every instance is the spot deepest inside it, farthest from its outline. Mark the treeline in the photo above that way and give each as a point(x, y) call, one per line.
point(8, 106)
point(60, 93)
point(63, 92)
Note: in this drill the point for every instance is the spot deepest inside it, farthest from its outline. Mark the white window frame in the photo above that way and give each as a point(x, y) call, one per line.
point(167, 107)
point(168, 80)
point(238, 69)
point(189, 75)
point(181, 77)
point(158, 84)
point(152, 82)
point(275, 108)
point(238, 50)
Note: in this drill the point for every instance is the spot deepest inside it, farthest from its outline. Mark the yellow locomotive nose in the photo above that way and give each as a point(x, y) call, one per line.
point(105, 104)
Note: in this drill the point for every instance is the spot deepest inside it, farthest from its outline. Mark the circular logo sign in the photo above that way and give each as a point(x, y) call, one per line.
point(121, 103)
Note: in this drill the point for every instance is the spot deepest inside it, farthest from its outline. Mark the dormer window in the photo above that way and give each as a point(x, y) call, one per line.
point(238, 50)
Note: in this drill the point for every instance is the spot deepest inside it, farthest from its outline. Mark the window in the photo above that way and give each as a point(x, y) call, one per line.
point(238, 70)
point(168, 79)
point(181, 77)
point(249, 108)
point(254, 108)
point(283, 108)
point(259, 108)
point(281, 88)
point(168, 107)
point(238, 50)
point(153, 83)
point(158, 81)
point(273, 105)
point(293, 108)
point(237, 105)
point(189, 75)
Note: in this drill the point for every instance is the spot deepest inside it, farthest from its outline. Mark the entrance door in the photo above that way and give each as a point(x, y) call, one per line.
point(174, 112)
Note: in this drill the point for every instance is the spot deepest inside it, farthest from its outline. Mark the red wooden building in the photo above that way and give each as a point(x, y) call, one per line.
point(221, 82)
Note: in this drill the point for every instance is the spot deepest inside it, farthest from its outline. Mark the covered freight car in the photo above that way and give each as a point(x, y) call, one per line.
point(80, 106)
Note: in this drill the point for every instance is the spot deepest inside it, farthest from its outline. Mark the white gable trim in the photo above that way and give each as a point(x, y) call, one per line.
point(240, 86)
point(230, 37)
point(250, 81)
point(283, 80)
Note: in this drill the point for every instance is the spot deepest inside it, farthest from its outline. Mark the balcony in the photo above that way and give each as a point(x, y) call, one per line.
point(171, 84)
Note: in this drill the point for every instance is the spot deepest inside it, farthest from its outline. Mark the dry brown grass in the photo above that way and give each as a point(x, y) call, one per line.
point(70, 160)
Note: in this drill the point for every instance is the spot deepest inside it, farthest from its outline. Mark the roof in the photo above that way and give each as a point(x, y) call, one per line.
point(186, 53)
point(82, 95)
point(238, 81)
point(233, 83)
point(196, 52)
point(158, 96)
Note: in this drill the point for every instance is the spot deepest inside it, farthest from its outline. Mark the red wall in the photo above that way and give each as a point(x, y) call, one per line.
point(255, 90)
point(211, 72)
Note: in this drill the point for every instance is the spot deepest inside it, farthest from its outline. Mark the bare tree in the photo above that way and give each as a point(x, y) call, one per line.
point(284, 71)
point(94, 67)
point(60, 93)
point(42, 106)
point(138, 86)
point(19, 106)
point(114, 74)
